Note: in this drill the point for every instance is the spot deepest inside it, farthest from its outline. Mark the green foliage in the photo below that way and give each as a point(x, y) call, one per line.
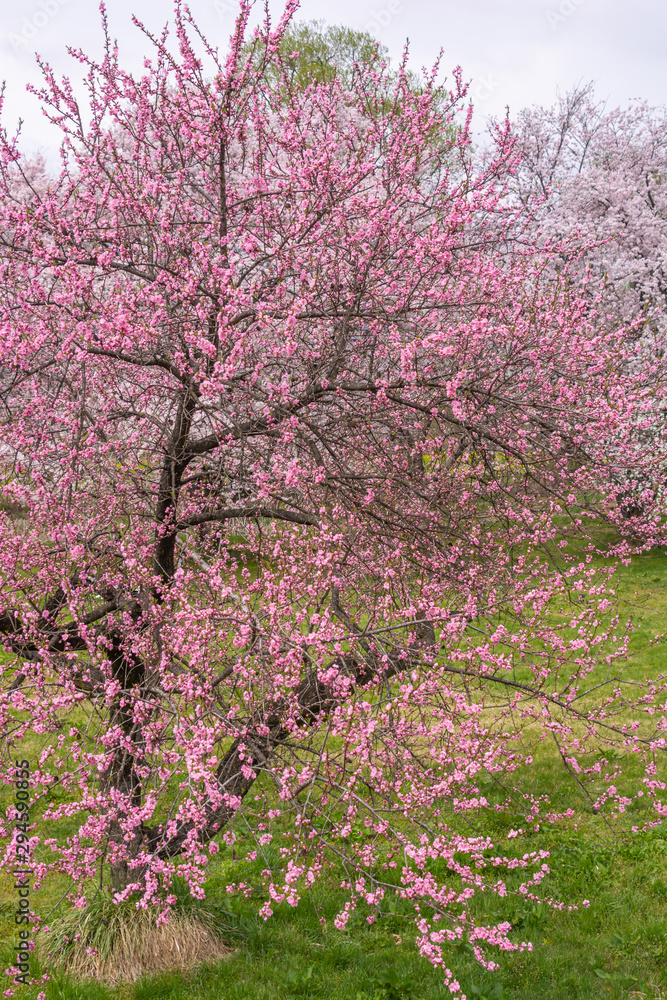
point(316, 52)
point(327, 51)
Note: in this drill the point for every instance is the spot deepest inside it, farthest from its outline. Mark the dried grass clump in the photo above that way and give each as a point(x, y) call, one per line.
point(118, 943)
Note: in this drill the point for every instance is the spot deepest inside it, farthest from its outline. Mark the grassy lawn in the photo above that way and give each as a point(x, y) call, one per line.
point(615, 948)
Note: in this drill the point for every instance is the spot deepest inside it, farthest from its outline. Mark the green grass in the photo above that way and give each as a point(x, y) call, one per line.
point(616, 948)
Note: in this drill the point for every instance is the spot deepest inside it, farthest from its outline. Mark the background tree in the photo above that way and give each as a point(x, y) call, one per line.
point(592, 172)
point(323, 52)
point(301, 478)
point(593, 180)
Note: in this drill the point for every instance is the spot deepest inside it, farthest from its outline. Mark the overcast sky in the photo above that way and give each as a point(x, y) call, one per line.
point(515, 52)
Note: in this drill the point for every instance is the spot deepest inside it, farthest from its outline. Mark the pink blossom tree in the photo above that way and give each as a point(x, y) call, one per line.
point(301, 478)
point(592, 182)
point(601, 174)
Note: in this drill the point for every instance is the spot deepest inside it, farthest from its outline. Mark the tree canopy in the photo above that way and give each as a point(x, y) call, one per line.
point(303, 479)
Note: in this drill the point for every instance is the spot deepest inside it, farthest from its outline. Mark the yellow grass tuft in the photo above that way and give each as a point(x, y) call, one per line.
point(117, 944)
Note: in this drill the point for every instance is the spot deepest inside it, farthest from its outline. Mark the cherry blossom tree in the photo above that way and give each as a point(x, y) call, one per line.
point(302, 476)
point(594, 178)
point(601, 174)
